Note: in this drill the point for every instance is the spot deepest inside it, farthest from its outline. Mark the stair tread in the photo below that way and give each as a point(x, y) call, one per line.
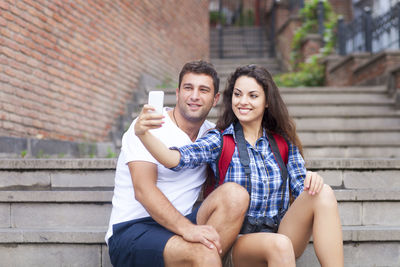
point(76, 196)
point(82, 164)
point(59, 196)
point(94, 235)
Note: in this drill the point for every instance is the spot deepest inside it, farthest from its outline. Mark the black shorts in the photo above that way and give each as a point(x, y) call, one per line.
point(140, 242)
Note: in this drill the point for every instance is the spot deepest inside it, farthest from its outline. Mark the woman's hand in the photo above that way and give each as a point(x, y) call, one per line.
point(313, 183)
point(148, 120)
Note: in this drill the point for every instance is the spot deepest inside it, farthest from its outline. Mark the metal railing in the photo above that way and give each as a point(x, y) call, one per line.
point(368, 34)
point(296, 4)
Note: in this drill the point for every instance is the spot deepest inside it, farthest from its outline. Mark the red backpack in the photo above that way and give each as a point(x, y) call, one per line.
point(279, 147)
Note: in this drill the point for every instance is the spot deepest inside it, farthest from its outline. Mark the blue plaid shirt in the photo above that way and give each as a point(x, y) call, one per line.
point(266, 180)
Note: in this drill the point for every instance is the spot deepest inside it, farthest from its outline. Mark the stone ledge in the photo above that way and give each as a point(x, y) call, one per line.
point(366, 195)
point(333, 89)
point(56, 196)
point(353, 164)
point(96, 235)
point(69, 236)
point(67, 164)
point(109, 164)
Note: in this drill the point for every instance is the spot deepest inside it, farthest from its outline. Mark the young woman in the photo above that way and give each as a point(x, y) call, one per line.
point(253, 107)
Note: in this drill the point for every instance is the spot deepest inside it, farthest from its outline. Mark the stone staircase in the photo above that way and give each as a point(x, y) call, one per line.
point(55, 212)
point(239, 42)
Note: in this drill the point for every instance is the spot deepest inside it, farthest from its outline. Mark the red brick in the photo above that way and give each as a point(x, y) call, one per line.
point(4, 5)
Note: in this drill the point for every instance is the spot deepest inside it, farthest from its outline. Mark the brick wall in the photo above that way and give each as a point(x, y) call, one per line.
point(68, 68)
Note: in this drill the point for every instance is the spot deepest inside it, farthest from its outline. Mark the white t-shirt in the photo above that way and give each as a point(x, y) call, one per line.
point(181, 188)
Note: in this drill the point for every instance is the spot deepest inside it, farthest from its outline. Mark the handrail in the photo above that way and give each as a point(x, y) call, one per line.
point(368, 34)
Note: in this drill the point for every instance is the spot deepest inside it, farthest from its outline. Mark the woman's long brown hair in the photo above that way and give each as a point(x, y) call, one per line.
point(276, 117)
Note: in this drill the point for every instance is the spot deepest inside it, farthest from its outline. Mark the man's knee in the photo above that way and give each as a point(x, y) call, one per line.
point(179, 252)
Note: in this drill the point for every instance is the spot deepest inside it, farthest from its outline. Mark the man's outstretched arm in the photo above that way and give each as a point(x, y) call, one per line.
point(144, 178)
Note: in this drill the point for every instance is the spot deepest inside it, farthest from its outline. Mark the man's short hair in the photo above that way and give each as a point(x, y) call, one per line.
point(200, 67)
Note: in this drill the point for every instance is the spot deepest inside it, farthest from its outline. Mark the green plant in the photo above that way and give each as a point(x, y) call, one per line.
point(215, 18)
point(110, 153)
point(246, 18)
point(23, 153)
point(309, 15)
point(167, 82)
point(310, 73)
point(40, 154)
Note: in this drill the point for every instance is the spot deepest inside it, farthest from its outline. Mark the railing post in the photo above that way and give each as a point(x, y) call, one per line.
point(220, 31)
point(272, 31)
point(320, 12)
point(368, 29)
point(341, 37)
point(398, 23)
point(301, 4)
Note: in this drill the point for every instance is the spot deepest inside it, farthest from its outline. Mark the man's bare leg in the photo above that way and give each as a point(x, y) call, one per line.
point(224, 209)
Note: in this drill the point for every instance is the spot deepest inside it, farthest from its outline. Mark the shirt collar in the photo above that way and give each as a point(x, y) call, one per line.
point(230, 130)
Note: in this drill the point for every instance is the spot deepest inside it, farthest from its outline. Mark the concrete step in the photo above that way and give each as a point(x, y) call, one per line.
point(363, 245)
point(339, 138)
point(348, 124)
point(351, 152)
point(362, 188)
point(367, 251)
point(41, 213)
point(337, 99)
point(342, 111)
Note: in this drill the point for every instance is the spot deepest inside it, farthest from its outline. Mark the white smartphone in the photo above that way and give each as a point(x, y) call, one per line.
point(156, 100)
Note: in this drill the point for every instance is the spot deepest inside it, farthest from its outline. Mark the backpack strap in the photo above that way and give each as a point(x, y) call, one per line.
point(243, 153)
point(225, 156)
point(281, 156)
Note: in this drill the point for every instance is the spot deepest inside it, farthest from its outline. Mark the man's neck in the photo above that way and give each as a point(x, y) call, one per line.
point(190, 128)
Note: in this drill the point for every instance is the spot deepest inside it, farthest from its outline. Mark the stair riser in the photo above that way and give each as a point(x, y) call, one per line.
point(365, 254)
point(323, 139)
point(352, 152)
point(49, 255)
point(340, 99)
point(51, 215)
point(339, 124)
point(66, 215)
point(369, 213)
point(57, 179)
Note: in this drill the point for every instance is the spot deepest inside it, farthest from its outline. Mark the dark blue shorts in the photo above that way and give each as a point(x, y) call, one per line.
point(140, 242)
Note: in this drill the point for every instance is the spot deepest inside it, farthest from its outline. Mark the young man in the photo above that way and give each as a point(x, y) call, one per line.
point(152, 222)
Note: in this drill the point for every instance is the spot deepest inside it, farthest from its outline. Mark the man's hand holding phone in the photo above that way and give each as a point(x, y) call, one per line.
point(151, 115)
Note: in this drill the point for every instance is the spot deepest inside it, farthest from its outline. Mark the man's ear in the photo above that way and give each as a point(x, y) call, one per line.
point(176, 94)
point(216, 99)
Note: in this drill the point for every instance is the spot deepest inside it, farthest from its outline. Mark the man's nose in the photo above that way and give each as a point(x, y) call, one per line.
point(195, 94)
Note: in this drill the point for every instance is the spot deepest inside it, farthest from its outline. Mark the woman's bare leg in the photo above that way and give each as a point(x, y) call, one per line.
point(317, 215)
point(263, 249)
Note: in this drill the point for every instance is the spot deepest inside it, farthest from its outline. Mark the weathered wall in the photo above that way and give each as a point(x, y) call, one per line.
point(68, 68)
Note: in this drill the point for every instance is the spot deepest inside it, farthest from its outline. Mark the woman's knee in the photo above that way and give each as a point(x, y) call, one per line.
point(283, 246)
point(327, 197)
